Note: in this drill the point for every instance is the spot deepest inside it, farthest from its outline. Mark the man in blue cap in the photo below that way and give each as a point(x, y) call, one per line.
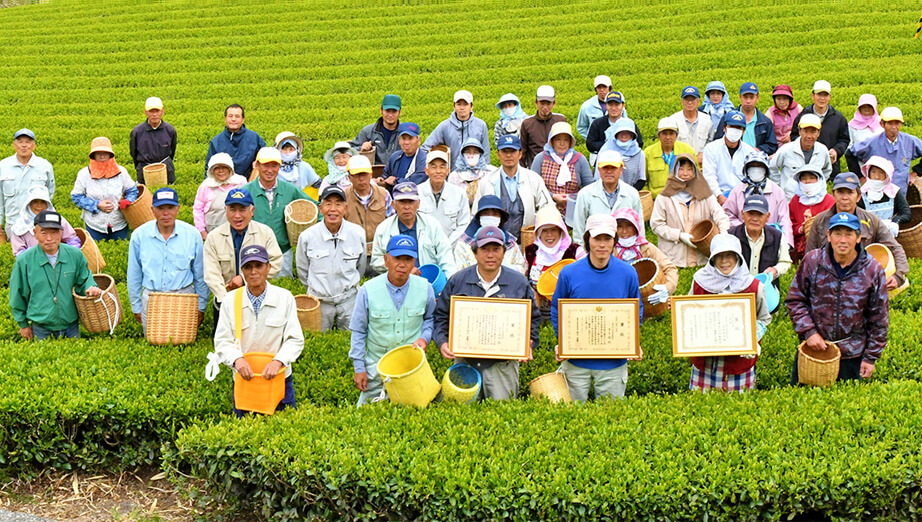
point(382, 134)
point(394, 309)
point(408, 163)
point(17, 173)
point(723, 159)
point(846, 191)
point(839, 295)
point(599, 129)
point(695, 127)
point(165, 255)
point(223, 245)
point(759, 131)
point(764, 248)
point(488, 278)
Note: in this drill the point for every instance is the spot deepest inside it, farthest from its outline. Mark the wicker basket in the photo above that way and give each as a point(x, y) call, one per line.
point(816, 368)
point(155, 175)
point(910, 236)
point(94, 260)
point(553, 386)
point(172, 318)
point(299, 214)
point(103, 313)
point(528, 236)
point(702, 234)
point(808, 225)
point(646, 201)
point(140, 211)
point(308, 312)
point(650, 275)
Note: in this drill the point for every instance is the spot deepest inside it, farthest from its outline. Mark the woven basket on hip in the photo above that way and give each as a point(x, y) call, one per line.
point(139, 212)
point(910, 236)
point(702, 234)
point(172, 318)
point(649, 275)
point(552, 386)
point(103, 313)
point(299, 215)
point(94, 260)
point(818, 368)
point(308, 312)
point(646, 202)
point(155, 175)
point(528, 236)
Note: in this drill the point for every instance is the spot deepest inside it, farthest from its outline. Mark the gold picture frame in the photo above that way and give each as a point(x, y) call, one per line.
point(490, 328)
point(714, 325)
point(598, 328)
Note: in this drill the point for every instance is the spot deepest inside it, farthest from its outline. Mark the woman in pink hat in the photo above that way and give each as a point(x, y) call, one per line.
point(865, 124)
point(783, 112)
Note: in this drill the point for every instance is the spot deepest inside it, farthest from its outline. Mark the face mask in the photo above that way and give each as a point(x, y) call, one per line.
point(489, 221)
point(734, 134)
point(622, 144)
point(627, 242)
point(288, 157)
point(756, 174)
point(811, 189)
point(876, 185)
point(509, 111)
point(472, 159)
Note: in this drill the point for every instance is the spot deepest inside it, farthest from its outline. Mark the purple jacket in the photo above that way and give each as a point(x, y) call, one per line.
point(853, 311)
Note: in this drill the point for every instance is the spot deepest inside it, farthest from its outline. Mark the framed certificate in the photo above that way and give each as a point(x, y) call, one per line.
point(714, 325)
point(598, 328)
point(490, 328)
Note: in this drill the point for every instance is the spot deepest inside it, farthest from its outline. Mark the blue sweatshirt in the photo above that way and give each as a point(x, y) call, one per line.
point(581, 280)
point(241, 145)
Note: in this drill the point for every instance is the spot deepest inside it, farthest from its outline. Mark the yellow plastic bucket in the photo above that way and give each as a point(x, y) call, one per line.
point(461, 383)
point(408, 379)
point(259, 395)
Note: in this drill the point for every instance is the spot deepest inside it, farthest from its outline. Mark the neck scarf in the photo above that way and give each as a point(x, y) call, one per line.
point(888, 188)
point(290, 166)
point(869, 122)
point(235, 180)
point(630, 253)
point(564, 175)
point(519, 114)
point(714, 281)
point(104, 169)
point(335, 173)
point(754, 188)
point(695, 188)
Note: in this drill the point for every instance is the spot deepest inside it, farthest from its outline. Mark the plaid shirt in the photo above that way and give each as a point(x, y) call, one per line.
point(256, 301)
point(713, 376)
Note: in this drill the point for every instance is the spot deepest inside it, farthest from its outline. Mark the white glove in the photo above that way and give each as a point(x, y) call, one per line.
point(658, 297)
point(894, 228)
point(686, 238)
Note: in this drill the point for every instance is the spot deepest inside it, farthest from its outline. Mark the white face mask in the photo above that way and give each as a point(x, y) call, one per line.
point(472, 158)
point(288, 157)
point(627, 242)
point(733, 134)
point(623, 144)
point(876, 185)
point(811, 189)
point(757, 173)
point(509, 111)
point(489, 221)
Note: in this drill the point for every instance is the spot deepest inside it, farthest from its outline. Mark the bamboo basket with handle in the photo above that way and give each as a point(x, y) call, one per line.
point(172, 318)
point(90, 249)
point(103, 313)
point(702, 234)
point(140, 211)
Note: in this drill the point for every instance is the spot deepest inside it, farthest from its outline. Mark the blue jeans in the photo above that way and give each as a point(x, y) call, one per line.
point(116, 235)
point(72, 332)
point(287, 401)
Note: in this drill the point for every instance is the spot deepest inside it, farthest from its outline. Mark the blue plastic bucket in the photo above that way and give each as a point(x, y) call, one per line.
point(435, 276)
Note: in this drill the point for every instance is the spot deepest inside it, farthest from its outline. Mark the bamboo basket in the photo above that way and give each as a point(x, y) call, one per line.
point(94, 260)
point(552, 386)
point(650, 275)
point(816, 368)
point(528, 236)
point(155, 175)
point(172, 318)
point(646, 201)
point(299, 215)
point(141, 211)
point(702, 234)
point(308, 312)
point(103, 313)
point(808, 225)
point(910, 236)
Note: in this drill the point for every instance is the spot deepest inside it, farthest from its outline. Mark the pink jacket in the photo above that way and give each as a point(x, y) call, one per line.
point(207, 195)
point(783, 122)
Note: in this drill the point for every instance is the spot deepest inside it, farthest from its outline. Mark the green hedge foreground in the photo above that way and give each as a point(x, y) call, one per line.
point(848, 453)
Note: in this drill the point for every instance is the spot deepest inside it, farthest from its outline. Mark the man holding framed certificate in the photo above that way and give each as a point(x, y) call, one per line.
point(601, 277)
point(485, 316)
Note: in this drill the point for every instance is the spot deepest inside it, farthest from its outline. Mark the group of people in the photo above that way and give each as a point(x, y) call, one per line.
point(392, 203)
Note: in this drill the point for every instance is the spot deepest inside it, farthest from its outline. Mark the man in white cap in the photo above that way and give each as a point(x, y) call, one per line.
point(694, 127)
point(834, 134)
point(604, 195)
point(446, 202)
point(367, 204)
point(270, 197)
point(153, 141)
point(536, 129)
point(17, 173)
point(899, 148)
point(803, 150)
point(594, 107)
point(661, 154)
point(460, 126)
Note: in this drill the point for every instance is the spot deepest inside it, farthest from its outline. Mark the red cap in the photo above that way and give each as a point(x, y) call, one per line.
point(783, 90)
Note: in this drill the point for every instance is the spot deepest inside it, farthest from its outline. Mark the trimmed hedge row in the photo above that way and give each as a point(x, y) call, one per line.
point(847, 453)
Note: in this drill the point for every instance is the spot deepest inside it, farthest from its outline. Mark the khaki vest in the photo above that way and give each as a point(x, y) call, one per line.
point(372, 217)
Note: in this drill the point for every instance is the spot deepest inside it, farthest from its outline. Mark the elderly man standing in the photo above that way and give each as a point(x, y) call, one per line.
point(488, 278)
point(839, 294)
point(408, 163)
point(237, 140)
point(604, 195)
point(153, 141)
point(599, 131)
point(270, 315)
point(224, 244)
point(536, 129)
point(764, 248)
point(270, 197)
point(834, 133)
point(899, 148)
point(593, 108)
point(433, 245)
point(17, 173)
point(165, 255)
point(394, 309)
point(367, 204)
point(661, 154)
point(802, 151)
point(694, 126)
point(331, 260)
point(42, 282)
point(382, 134)
point(461, 125)
point(758, 131)
point(446, 202)
point(723, 159)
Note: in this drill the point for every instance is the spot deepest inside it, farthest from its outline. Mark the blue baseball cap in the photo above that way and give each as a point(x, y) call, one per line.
point(238, 196)
point(756, 203)
point(165, 196)
point(735, 118)
point(24, 132)
point(845, 219)
point(846, 180)
point(691, 90)
point(510, 141)
point(749, 88)
point(254, 253)
point(614, 96)
point(402, 245)
point(487, 235)
point(410, 129)
point(391, 101)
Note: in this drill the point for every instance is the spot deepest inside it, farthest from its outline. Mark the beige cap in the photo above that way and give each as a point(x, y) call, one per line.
point(601, 80)
point(153, 103)
point(602, 224)
point(436, 154)
point(561, 127)
point(101, 144)
point(667, 123)
point(610, 158)
point(810, 120)
point(822, 86)
point(359, 165)
point(464, 95)
point(269, 155)
point(891, 114)
point(545, 93)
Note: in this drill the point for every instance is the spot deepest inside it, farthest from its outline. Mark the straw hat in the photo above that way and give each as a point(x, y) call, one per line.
point(101, 144)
